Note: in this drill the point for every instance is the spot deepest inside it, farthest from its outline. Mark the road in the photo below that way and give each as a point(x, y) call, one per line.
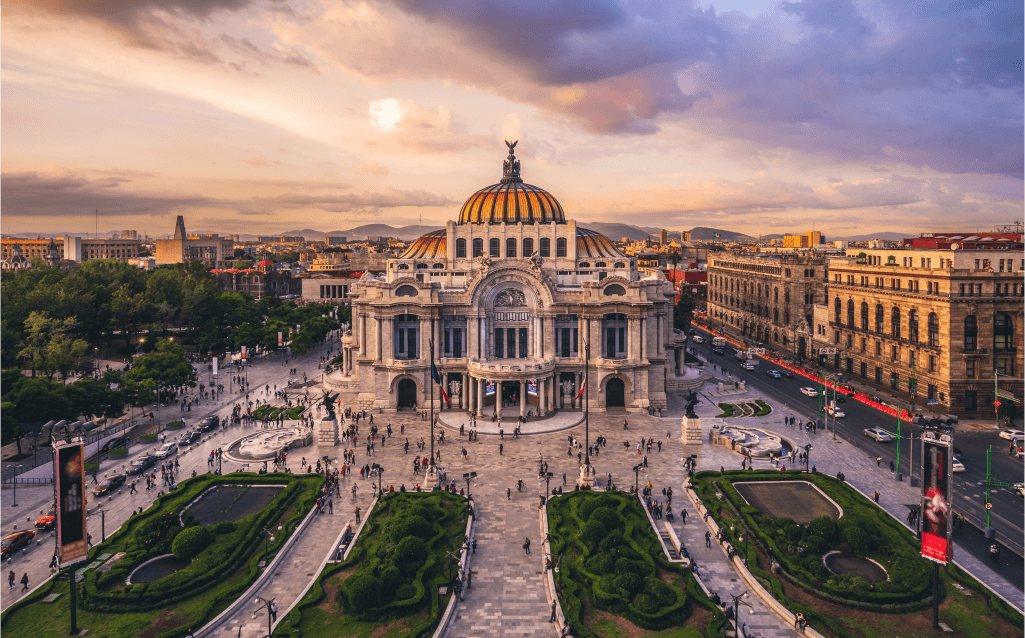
point(969, 495)
point(33, 500)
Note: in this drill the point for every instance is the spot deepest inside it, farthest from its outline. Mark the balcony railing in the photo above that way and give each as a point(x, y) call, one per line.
point(974, 351)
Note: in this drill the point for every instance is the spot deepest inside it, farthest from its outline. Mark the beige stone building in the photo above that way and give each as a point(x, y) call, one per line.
point(213, 250)
point(510, 294)
point(767, 297)
point(927, 324)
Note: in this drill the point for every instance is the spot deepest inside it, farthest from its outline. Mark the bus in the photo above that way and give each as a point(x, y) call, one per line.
point(719, 342)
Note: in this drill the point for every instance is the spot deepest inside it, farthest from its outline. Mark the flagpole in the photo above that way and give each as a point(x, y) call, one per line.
point(431, 375)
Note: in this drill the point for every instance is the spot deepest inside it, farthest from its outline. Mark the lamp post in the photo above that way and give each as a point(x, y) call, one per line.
point(637, 478)
point(586, 479)
point(469, 476)
point(547, 476)
point(103, 525)
point(807, 457)
point(14, 480)
point(737, 600)
point(380, 476)
point(267, 538)
point(270, 607)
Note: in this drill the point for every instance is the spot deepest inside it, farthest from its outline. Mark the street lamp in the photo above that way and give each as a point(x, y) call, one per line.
point(547, 476)
point(737, 600)
point(14, 479)
point(637, 477)
point(380, 476)
point(271, 611)
point(469, 476)
point(103, 525)
point(807, 456)
point(268, 536)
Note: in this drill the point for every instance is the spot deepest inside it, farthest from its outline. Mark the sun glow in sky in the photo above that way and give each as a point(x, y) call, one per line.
point(852, 116)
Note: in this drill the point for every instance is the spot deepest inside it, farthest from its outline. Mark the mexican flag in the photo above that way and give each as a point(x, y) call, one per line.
point(436, 376)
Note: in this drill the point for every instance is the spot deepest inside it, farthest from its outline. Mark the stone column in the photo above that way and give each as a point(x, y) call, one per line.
point(631, 334)
point(541, 396)
point(388, 338)
point(480, 398)
point(643, 337)
point(380, 338)
point(425, 331)
point(523, 398)
point(362, 336)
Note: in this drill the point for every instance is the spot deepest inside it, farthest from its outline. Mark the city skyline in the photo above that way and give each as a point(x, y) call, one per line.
point(751, 116)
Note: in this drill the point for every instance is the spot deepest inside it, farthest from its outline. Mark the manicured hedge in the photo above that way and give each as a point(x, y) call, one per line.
point(611, 558)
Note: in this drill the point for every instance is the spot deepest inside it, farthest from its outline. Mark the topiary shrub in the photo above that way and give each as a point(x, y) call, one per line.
point(592, 533)
point(405, 592)
point(825, 528)
point(607, 517)
point(908, 571)
point(363, 592)
point(601, 564)
point(391, 579)
point(224, 527)
point(415, 525)
point(612, 540)
point(857, 539)
point(630, 584)
point(191, 541)
point(588, 506)
point(410, 551)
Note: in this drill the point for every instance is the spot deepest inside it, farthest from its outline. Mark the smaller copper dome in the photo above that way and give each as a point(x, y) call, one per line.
point(595, 245)
point(430, 246)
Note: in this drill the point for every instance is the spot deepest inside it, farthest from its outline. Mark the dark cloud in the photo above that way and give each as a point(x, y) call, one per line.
point(64, 194)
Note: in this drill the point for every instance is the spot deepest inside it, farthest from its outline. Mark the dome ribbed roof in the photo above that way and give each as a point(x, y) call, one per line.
point(593, 245)
point(511, 201)
point(430, 246)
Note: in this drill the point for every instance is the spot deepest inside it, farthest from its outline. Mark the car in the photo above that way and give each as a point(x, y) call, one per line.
point(1012, 434)
point(810, 392)
point(839, 398)
point(188, 438)
point(110, 484)
point(697, 339)
point(115, 443)
point(717, 351)
point(13, 542)
point(877, 434)
point(166, 450)
point(788, 374)
point(774, 374)
point(208, 424)
point(141, 464)
point(748, 366)
point(1019, 489)
point(836, 413)
point(958, 466)
point(47, 521)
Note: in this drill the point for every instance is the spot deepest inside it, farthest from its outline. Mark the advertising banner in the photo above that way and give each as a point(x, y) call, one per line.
point(69, 475)
point(216, 360)
point(936, 505)
point(532, 386)
point(243, 352)
point(279, 338)
point(489, 387)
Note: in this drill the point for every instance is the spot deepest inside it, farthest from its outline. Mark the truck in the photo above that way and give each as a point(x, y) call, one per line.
point(719, 342)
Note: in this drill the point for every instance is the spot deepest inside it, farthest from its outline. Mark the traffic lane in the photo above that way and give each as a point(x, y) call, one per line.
point(860, 417)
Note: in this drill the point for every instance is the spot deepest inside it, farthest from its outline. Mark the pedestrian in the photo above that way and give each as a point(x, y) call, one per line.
point(501, 446)
point(357, 514)
point(876, 497)
point(708, 539)
point(330, 506)
point(508, 493)
point(683, 515)
point(552, 619)
point(526, 548)
point(274, 612)
point(11, 578)
point(24, 579)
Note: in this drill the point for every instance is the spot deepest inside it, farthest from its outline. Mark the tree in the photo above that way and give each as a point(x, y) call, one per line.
point(683, 311)
point(166, 365)
point(127, 311)
point(675, 258)
point(11, 429)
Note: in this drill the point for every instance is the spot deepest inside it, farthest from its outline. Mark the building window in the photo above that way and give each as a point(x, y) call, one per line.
point(460, 248)
point(499, 343)
point(528, 247)
point(546, 247)
point(913, 326)
point(934, 330)
point(1002, 366)
point(932, 363)
point(478, 247)
point(864, 316)
point(932, 391)
point(879, 348)
point(879, 318)
point(894, 381)
point(560, 247)
point(864, 344)
point(850, 314)
point(894, 353)
point(837, 310)
point(879, 375)
point(971, 333)
point(510, 247)
point(864, 370)
point(971, 401)
point(495, 247)
point(1003, 332)
point(523, 343)
point(895, 323)
point(969, 369)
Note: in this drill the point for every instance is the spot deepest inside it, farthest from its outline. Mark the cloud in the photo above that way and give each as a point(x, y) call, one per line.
point(372, 168)
point(255, 160)
point(408, 126)
point(63, 193)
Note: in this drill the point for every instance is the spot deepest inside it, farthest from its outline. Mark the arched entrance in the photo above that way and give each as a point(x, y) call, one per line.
point(802, 348)
point(407, 393)
point(615, 394)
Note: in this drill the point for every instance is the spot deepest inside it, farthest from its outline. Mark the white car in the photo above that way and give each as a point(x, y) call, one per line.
point(166, 450)
point(697, 339)
point(748, 366)
point(1012, 434)
point(836, 412)
point(878, 435)
point(958, 466)
point(810, 392)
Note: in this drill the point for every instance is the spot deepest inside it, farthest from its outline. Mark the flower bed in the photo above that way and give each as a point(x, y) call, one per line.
point(392, 575)
point(782, 554)
point(613, 562)
point(223, 564)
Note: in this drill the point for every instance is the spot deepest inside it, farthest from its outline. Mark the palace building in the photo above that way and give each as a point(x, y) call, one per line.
point(515, 299)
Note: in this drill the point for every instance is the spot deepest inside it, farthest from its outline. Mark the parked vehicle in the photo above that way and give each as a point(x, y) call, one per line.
point(958, 466)
point(166, 450)
point(47, 521)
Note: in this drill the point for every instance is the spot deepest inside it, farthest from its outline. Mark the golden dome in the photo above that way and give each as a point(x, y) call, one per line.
point(430, 246)
point(595, 245)
point(511, 201)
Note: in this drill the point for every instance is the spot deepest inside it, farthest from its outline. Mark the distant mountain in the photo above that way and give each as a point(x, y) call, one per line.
point(703, 233)
point(616, 231)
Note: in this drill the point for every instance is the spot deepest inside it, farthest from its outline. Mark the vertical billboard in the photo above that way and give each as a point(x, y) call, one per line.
point(489, 387)
point(936, 504)
point(532, 386)
point(69, 482)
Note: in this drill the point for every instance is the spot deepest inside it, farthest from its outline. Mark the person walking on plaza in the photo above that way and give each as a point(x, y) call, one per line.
point(11, 578)
point(24, 577)
point(357, 514)
point(526, 548)
point(708, 539)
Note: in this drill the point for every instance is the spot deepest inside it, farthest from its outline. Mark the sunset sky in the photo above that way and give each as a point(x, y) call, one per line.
point(261, 116)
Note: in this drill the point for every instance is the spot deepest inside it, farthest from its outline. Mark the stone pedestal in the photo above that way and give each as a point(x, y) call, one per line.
point(431, 477)
point(586, 479)
point(327, 431)
point(691, 430)
point(742, 386)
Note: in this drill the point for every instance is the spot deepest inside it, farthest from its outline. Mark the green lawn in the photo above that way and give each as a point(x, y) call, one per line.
point(388, 586)
point(614, 579)
point(845, 605)
point(295, 412)
point(727, 410)
point(168, 607)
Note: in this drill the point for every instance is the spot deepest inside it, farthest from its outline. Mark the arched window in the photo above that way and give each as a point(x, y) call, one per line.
point(495, 247)
point(438, 266)
point(421, 266)
point(584, 264)
point(460, 248)
point(1003, 332)
point(837, 309)
point(971, 333)
point(600, 264)
point(546, 247)
point(850, 314)
point(786, 295)
point(895, 322)
point(403, 266)
point(478, 247)
point(614, 329)
point(759, 290)
point(560, 247)
point(528, 247)
point(880, 318)
point(775, 294)
point(934, 330)
point(615, 290)
point(913, 326)
point(510, 247)
point(619, 264)
point(775, 337)
point(406, 291)
point(864, 315)
point(775, 317)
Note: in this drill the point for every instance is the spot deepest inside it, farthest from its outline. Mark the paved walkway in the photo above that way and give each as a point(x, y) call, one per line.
point(555, 422)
